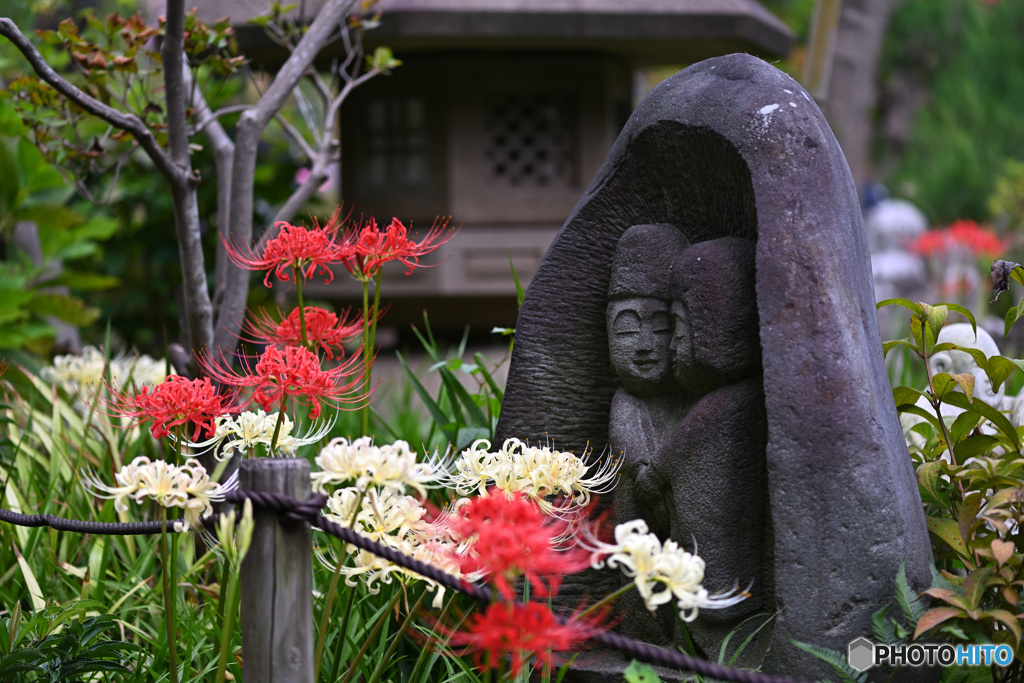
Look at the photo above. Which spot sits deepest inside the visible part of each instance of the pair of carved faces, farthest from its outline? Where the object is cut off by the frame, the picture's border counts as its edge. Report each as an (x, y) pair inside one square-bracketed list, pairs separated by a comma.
[(640, 331), (698, 333)]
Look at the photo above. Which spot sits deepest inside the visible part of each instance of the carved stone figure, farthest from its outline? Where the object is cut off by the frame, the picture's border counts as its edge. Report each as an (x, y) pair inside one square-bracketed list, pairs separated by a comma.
[(822, 496)]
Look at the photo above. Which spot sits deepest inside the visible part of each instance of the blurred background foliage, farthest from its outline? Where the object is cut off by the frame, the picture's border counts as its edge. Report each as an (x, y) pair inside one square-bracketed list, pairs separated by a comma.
[(949, 125), (948, 135)]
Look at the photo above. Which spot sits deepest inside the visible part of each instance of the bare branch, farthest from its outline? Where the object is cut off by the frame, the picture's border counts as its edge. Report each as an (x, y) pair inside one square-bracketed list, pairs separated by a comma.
[(296, 136), (250, 127), (308, 115), (127, 122), (298, 199), (223, 156), (211, 116), (332, 112), (198, 309)]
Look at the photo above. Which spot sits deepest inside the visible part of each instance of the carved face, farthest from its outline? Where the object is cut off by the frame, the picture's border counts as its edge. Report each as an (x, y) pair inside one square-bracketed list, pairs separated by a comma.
[(682, 343), (639, 334)]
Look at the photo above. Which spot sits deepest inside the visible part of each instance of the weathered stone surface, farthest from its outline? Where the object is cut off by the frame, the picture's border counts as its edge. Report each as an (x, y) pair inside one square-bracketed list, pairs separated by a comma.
[(732, 147)]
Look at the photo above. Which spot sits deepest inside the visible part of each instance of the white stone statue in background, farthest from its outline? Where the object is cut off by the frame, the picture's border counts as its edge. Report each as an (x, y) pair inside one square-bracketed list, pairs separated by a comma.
[(957, 362), (892, 225)]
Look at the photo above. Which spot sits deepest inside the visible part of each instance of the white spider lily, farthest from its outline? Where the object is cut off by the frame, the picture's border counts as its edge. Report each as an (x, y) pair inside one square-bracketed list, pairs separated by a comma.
[(364, 464), (187, 487), (250, 428), (396, 521), (661, 572), (537, 471)]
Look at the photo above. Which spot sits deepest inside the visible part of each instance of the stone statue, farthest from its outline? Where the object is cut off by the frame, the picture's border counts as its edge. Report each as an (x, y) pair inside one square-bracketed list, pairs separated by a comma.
[(788, 464), (892, 224), (957, 362)]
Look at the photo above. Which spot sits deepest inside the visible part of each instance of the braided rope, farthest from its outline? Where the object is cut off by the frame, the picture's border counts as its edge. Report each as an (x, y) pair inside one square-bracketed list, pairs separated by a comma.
[(78, 526), (309, 511)]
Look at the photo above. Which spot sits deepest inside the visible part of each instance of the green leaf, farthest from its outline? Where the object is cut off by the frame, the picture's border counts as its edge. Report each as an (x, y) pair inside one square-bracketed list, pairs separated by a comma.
[(10, 183), (882, 626), (637, 672), (928, 479), (70, 309), (934, 617), (973, 446), (944, 384), (963, 425), (1001, 422), (948, 531), (910, 603), (886, 346), (965, 313), (1012, 316), (834, 659), (967, 517), (974, 586), (905, 303), (1001, 367), (936, 317)]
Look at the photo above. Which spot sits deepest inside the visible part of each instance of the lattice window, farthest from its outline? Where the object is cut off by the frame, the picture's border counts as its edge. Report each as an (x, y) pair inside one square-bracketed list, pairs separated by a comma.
[(396, 143), (530, 141)]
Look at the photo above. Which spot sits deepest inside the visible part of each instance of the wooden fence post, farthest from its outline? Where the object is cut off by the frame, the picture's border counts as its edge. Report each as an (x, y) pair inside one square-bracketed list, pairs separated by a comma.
[(276, 579)]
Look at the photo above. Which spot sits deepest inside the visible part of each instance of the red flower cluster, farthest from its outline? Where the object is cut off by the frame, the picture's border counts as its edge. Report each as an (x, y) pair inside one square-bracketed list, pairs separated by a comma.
[(513, 539), (522, 631), (371, 248), (323, 329), (965, 234), (362, 250), (294, 373), (176, 401), (295, 248)]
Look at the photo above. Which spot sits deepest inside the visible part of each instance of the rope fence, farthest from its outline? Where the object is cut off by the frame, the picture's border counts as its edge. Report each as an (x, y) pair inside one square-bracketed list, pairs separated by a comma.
[(309, 511)]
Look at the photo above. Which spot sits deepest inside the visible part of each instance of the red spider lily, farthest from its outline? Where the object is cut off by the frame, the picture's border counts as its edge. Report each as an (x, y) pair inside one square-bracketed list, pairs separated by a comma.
[(174, 402), (295, 248), (964, 234), (522, 631), (323, 329), (371, 248), (294, 372), (512, 538)]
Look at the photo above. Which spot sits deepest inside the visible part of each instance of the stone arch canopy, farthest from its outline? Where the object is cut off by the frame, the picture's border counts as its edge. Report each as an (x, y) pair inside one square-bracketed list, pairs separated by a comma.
[(732, 146)]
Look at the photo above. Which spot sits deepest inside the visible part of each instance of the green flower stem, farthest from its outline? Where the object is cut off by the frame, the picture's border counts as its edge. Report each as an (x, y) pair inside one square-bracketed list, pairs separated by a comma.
[(611, 597), (421, 661), (325, 618), (302, 309), (398, 636), (277, 427), (341, 639), (169, 601), (228, 618), (364, 413), (331, 594), (371, 637)]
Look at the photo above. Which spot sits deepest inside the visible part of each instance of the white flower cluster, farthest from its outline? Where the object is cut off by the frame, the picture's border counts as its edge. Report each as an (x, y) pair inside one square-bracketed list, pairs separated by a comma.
[(398, 521), (377, 506), (248, 429), (662, 572), (364, 464), (82, 374), (186, 486), (538, 472)]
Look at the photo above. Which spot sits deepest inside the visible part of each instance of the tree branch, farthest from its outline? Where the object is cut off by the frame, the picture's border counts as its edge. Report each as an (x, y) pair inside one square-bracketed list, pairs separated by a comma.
[(250, 127), (296, 136), (198, 309), (223, 155), (127, 122)]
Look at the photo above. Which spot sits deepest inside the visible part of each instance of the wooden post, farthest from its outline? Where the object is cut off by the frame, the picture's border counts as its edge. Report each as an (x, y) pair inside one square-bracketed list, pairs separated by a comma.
[(276, 580)]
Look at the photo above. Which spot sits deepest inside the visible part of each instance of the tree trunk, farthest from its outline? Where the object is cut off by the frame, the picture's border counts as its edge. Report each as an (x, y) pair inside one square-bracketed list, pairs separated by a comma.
[(853, 91)]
